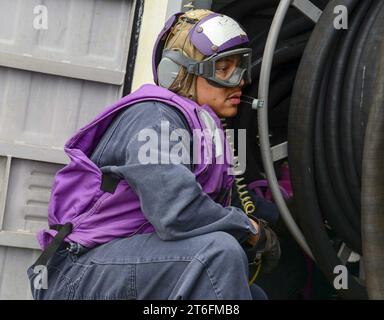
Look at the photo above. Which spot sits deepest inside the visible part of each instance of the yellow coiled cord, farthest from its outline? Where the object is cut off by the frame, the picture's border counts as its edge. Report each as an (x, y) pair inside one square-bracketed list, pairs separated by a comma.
[(245, 199)]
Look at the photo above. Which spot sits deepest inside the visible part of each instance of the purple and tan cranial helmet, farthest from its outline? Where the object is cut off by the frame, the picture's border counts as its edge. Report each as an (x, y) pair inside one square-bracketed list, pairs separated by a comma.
[(191, 43)]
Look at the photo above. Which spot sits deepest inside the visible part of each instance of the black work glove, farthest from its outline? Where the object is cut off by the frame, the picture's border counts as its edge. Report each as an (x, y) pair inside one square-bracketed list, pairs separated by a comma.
[(267, 249)]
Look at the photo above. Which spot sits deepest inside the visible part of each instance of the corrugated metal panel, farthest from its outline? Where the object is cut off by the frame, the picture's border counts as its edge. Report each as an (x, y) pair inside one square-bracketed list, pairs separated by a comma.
[(52, 82), (44, 110), (13, 277), (86, 39)]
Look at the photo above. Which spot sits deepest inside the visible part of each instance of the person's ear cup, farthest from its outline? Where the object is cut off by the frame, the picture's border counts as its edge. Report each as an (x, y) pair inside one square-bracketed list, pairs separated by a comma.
[(167, 72)]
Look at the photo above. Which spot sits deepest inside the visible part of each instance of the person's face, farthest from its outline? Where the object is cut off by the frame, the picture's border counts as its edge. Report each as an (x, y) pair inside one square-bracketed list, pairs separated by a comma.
[(223, 101)]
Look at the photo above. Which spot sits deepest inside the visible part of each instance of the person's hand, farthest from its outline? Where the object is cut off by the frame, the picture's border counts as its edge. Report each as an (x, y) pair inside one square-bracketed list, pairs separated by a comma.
[(265, 247)]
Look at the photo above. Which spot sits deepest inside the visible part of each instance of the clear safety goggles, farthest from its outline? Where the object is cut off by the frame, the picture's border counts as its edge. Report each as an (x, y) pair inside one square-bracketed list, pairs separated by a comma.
[(225, 69)]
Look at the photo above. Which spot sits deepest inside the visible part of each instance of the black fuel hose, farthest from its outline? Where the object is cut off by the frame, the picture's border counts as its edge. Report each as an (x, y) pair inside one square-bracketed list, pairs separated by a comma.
[(328, 201), (365, 78), (346, 126), (373, 190), (333, 117), (301, 140)]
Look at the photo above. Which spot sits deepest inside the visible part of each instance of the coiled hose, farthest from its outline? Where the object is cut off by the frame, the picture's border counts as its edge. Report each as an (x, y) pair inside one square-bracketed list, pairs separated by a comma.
[(373, 191), (301, 137), (335, 73)]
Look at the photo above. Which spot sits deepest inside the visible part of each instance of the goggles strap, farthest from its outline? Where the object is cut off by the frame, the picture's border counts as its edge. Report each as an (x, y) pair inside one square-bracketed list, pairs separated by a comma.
[(192, 66)]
